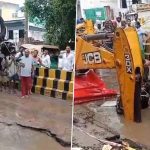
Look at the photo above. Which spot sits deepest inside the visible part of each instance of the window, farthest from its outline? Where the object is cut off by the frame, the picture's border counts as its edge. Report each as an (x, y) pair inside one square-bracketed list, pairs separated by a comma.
[(123, 4), (11, 34), (128, 3), (136, 1), (21, 34), (14, 15)]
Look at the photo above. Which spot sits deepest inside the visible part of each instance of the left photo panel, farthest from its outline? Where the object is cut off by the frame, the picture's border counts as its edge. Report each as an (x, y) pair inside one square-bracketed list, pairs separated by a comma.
[(37, 50)]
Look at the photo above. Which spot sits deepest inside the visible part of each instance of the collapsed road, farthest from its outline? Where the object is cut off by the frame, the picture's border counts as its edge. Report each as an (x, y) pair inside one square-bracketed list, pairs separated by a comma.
[(35, 123), (94, 122)]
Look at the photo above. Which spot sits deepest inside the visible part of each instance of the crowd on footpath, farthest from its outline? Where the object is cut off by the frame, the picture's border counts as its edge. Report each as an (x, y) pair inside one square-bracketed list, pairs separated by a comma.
[(21, 66), (109, 26)]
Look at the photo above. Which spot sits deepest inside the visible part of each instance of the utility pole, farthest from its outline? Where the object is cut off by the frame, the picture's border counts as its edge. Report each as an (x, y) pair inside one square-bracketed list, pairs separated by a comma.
[(26, 25)]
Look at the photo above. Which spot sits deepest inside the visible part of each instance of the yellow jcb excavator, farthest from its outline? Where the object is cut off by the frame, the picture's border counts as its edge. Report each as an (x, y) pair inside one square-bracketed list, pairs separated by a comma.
[(125, 57)]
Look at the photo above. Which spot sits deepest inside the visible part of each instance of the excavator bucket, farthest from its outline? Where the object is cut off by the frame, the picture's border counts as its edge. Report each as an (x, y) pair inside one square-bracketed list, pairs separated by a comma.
[(128, 60), (89, 87)]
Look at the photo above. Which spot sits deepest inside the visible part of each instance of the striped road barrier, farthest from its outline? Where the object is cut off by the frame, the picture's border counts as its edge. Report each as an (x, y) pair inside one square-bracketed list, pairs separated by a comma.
[(53, 83)]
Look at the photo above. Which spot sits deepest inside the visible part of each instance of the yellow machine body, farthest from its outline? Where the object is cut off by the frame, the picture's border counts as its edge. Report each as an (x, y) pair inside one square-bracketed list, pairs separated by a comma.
[(87, 27), (126, 58)]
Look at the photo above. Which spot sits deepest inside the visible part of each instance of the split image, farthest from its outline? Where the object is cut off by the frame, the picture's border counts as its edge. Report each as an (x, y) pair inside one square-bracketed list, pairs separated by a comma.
[(111, 92), (74, 75), (36, 74)]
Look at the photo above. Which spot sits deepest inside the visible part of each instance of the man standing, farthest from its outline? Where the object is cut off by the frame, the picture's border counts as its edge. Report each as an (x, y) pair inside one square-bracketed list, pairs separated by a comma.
[(133, 23), (68, 60), (12, 73), (129, 23), (118, 19), (141, 34), (108, 28), (26, 64), (46, 62)]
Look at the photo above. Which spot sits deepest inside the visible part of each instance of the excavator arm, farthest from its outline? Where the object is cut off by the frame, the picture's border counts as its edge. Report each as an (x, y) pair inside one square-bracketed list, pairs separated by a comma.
[(126, 58)]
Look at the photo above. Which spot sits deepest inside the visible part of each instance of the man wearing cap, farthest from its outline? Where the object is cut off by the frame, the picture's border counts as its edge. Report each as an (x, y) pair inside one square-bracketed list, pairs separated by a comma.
[(26, 64)]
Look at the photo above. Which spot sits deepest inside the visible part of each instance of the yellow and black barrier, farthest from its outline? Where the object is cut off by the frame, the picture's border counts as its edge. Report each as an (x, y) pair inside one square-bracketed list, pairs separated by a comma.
[(54, 83)]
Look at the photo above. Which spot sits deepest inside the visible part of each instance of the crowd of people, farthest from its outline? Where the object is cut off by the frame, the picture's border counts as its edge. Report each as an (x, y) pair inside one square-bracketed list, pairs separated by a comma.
[(21, 66), (109, 26)]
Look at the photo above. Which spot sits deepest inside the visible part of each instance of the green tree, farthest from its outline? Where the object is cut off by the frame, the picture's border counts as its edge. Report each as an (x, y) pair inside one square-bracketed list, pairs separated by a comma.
[(58, 17)]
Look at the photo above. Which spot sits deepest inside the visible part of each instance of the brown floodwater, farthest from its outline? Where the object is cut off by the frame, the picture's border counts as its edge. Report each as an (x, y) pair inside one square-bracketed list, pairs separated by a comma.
[(103, 122)]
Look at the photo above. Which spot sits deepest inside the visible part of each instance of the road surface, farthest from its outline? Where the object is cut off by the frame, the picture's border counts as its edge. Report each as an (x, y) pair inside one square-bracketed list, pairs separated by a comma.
[(35, 123)]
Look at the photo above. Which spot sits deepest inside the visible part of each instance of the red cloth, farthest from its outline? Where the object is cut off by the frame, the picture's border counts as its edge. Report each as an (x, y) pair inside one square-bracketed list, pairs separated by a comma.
[(31, 83), (25, 85)]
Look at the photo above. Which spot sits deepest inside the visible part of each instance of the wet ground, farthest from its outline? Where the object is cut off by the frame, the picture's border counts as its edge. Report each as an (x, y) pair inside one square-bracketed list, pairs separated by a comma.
[(35, 123), (92, 122)]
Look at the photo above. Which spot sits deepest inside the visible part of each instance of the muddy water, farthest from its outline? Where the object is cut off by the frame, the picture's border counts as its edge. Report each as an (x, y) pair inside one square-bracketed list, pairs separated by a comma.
[(104, 122), (138, 132)]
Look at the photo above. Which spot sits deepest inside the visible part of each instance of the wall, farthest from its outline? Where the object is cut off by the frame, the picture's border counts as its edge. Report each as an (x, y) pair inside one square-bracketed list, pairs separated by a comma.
[(78, 9), (145, 1), (99, 3), (7, 10), (37, 35), (34, 32)]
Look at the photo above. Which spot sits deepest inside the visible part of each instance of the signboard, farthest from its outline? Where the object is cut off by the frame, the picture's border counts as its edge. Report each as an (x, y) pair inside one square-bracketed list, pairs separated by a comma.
[(96, 13)]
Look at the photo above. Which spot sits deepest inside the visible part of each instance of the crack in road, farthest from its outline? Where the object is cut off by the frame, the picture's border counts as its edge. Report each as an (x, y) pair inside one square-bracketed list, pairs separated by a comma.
[(41, 130)]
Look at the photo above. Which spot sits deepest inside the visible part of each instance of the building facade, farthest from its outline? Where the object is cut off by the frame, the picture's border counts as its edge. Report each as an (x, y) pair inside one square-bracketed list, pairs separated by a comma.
[(15, 23), (118, 6), (8, 10)]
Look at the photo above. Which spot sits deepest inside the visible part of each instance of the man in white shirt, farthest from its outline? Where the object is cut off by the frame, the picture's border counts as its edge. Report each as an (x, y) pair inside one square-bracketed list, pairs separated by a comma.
[(133, 23), (68, 60), (46, 62), (26, 64)]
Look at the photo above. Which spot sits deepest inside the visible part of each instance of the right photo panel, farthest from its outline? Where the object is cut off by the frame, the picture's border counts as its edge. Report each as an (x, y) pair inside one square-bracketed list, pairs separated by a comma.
[(112, 79)]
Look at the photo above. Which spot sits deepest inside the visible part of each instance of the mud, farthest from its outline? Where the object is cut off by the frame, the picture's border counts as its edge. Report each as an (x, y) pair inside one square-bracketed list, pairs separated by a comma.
[(46, 120), (103, 122)]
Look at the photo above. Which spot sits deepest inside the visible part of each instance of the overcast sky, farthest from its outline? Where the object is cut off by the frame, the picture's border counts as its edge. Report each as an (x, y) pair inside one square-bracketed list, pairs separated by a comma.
[(20, 2)]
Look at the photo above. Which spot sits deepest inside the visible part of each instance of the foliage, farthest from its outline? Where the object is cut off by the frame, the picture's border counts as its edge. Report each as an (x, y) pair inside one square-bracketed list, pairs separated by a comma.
[(58, 17)]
